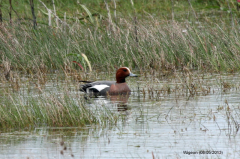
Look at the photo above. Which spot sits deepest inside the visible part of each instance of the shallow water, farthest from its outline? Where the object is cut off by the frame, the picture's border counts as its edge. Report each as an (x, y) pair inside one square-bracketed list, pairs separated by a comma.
[(150, 127)]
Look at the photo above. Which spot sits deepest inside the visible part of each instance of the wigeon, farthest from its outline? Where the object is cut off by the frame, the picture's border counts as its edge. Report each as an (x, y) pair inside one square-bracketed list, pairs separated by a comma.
[(118, 87)]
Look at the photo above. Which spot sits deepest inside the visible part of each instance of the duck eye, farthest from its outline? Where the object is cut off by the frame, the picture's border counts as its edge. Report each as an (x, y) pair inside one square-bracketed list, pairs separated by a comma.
[(125, 70)]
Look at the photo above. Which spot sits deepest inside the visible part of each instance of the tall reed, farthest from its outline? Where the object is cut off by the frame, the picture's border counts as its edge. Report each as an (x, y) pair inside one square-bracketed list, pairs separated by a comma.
[(198, 41)]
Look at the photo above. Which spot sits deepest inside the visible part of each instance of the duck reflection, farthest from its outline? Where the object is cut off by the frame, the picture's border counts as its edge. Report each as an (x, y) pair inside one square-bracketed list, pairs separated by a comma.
[(121, 101)]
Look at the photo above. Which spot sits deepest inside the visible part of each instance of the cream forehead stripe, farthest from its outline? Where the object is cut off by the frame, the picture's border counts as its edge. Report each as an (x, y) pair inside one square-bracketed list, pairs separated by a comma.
[(127, 68)]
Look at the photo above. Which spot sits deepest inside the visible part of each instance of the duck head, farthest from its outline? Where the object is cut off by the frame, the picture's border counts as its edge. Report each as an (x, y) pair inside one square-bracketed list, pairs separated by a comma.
[(123, 73)]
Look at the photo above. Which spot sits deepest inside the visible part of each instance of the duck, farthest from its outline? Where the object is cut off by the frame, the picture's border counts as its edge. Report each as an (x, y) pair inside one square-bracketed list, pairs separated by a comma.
[(103, 88)]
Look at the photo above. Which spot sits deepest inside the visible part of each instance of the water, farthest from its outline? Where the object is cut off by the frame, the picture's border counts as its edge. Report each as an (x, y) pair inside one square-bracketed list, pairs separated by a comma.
[(150, 127)]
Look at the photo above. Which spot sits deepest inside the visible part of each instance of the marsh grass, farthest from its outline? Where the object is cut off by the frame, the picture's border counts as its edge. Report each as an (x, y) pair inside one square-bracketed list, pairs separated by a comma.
[(22, 110), (187, 83), (232, 118), (195, 39), (161, 45)]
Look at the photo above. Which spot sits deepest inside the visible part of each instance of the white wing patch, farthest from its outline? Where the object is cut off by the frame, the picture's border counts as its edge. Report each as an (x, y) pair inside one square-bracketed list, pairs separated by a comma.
[(99, 87)]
